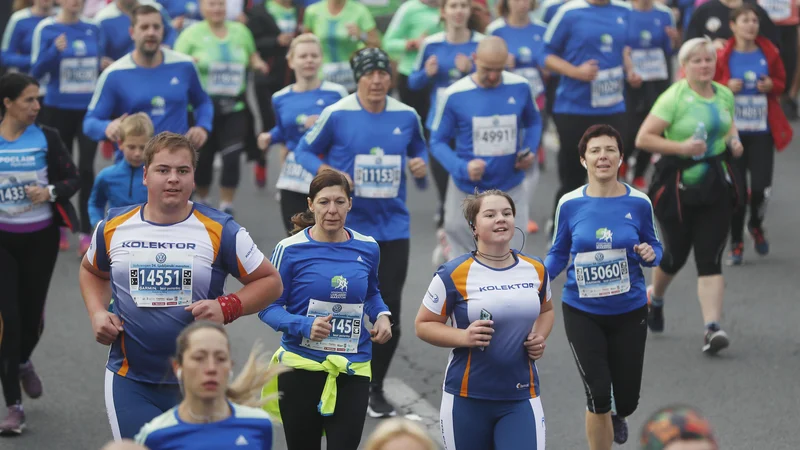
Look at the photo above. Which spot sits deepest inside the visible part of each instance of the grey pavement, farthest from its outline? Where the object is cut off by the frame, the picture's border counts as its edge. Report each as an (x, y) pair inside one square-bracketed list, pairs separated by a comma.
[(750, 392)]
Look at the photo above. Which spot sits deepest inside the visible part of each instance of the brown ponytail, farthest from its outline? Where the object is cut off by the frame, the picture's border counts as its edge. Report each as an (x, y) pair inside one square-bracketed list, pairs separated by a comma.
[(326, 178), (302, 220)]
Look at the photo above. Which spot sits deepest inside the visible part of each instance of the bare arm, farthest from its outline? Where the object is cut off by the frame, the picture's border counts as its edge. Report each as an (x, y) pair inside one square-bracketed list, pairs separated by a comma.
[(544, 323), (560, 65), (433, 329), (95, 287), (650, 137), (261, 287)]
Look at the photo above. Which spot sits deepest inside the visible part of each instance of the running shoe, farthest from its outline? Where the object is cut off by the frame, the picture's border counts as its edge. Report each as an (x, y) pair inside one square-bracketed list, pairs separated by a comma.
[(639, 183), (14, 422), (533, 227), (85, 242), (760, 242), (655, 314), (261, 175), (620, 429), (30, 381), (63, 243), (378, 405), (714, 341), (736, 256)]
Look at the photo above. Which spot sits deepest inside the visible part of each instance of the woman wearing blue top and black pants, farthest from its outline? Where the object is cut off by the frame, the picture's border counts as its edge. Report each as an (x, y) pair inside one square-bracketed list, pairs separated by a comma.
[(37, 178), (607, 228), (330, 276)]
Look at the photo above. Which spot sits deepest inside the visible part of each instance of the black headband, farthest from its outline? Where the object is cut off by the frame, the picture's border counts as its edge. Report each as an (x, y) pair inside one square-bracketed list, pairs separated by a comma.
[(369, 59)]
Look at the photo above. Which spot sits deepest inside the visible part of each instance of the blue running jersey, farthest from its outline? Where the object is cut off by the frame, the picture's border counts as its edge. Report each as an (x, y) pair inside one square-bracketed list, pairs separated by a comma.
[(651, 47), (526, 44), (116, 25), (18, 40), (751, 105), (23, 162)]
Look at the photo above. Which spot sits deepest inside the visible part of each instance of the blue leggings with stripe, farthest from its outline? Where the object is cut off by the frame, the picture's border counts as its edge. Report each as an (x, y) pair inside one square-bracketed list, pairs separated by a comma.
[(131, 404), (474, 424)]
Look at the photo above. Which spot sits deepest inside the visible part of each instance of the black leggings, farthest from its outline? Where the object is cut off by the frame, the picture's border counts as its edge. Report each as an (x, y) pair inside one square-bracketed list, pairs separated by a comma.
[(609, 352), (440, 176), (570, 128), (702, 228), (69, 123), (758, 159), (27, 261), (788, 39), (264, 100), (635, 121), (292, 203), (392, 273), (228, 138), (302, 422)]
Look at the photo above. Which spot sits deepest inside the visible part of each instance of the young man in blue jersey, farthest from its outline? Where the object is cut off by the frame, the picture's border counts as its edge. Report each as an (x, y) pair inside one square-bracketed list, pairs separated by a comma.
[(117, 18), (493, 118), (166, 83)]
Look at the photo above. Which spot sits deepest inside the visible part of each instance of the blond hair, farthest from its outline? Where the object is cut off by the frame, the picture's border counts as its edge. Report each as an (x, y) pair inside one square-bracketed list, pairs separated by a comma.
[(138, 124), (305, 38), (168, 141), (393, 428), (691, 47)]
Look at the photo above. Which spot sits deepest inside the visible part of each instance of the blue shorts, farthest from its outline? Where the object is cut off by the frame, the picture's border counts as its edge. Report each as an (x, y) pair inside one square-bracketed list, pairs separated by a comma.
[(474, 424), (131, 404)]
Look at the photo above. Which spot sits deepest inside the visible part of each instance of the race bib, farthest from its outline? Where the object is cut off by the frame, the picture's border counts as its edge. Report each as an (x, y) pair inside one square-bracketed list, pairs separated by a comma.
[(607, 88), (77, 75), (751, 112), (161, 279), (777, 9), (495, 135), (650, 64), (13, 199), (287, 25), (340, 73), (225, 78), (378, 176), (602, 273), (534, 79), (345, 326), (293, 177)]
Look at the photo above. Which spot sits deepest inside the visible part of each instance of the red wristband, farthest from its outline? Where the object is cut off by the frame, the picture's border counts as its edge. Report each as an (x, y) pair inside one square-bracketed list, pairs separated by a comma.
[(231, 307)]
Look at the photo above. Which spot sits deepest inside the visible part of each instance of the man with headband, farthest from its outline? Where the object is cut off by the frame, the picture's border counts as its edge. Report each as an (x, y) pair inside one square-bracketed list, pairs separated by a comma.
[(371, 138), (493, 118)]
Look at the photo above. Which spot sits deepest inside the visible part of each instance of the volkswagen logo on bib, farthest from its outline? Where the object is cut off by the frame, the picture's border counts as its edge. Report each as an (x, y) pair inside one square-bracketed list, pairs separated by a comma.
[(337, 308), (598, 257), (160, 258)]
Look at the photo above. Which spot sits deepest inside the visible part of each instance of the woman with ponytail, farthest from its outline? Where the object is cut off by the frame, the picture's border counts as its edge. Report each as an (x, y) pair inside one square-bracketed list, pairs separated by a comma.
[(215, 412)]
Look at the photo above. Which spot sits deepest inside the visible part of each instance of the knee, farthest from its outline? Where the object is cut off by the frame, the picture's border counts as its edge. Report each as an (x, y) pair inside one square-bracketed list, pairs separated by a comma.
[(709, 268), (671, 262), (626, 405), (598, 401)]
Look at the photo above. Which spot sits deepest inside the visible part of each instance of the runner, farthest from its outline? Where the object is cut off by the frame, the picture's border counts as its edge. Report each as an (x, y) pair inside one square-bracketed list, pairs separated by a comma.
[(525, 42), (443, 59), (67, 50), (117, 19), (216, 411), (651, 35), (712, 19), (399, 434), (331, 277), (693, 191), (273, 28), (608, 230), (223, 51), (18, 35), (297, 108), (491, 397), (172, 85), (184, 13), (344, 26), (585, 43), (164, 263), (121, 184), (37, 178), (786, 16), (751, 67), (372, 137), (493, 118)]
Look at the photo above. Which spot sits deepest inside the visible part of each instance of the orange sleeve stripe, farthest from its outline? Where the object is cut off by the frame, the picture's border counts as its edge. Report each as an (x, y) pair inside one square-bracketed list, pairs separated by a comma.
[(532, 386), (242, 272), (214, 230), (123, 370), (443, 312), (539, 270), (112, 224), (465, 378), (459, 277)]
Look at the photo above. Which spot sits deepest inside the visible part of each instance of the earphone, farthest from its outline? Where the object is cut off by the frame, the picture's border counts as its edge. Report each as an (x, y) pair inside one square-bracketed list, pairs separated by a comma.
[(178, 373)]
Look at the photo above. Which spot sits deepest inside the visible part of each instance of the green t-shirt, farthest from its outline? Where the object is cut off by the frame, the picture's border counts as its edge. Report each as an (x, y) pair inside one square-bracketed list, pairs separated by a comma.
[(221, 62), (337, 44), (380, 8), (412, 20), (684, 109), (286, 18)]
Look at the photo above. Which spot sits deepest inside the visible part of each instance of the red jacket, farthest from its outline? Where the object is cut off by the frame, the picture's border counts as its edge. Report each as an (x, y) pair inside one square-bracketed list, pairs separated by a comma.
[(778, 125)]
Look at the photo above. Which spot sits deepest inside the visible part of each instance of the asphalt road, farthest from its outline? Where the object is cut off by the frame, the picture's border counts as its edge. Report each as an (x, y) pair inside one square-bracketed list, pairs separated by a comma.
[(749, 392)]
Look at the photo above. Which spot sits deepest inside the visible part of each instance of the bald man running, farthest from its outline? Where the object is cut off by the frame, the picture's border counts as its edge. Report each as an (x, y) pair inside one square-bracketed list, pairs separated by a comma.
[(492, 116)]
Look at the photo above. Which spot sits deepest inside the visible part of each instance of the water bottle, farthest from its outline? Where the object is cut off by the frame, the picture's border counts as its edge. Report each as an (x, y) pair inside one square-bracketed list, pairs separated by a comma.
[(701, 134), (422, 183)]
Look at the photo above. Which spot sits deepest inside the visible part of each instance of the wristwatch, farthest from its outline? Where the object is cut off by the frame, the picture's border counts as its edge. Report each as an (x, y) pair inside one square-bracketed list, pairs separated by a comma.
[(52, 190), (388, 316)]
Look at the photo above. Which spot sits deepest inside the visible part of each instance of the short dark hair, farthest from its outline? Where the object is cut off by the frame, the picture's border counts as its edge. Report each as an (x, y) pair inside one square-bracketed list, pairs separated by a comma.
[(168, 141), (740, 11), (12, 85), (597, 131), (326, 178), (143, 10)]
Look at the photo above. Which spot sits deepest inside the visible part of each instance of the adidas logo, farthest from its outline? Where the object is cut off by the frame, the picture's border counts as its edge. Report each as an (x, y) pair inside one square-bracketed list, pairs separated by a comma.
[(511, 101), (359, 259), (174, 81), (241, 441), (397, 131), (628, 216), (320, 102)]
